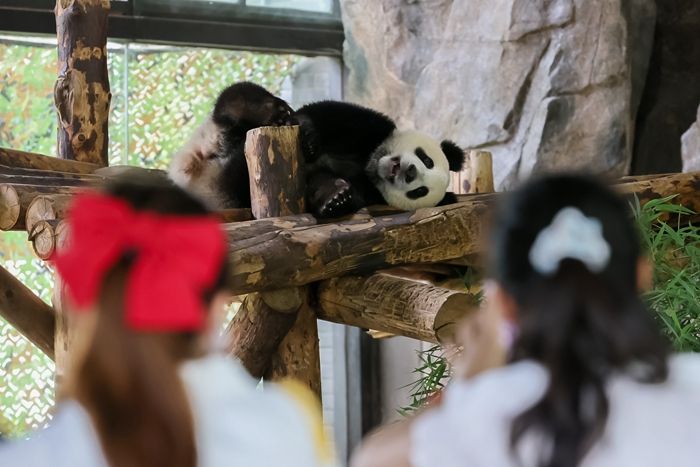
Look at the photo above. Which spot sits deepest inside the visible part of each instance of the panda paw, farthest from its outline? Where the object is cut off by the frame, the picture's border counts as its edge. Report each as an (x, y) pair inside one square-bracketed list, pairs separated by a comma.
[(338, 201)]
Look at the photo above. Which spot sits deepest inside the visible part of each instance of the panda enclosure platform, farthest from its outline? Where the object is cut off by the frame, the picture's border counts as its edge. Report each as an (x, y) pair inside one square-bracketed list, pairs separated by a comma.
[(376, 269)]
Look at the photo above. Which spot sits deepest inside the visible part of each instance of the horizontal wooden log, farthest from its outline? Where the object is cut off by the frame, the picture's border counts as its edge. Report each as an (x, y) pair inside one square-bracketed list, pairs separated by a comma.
[(28, 160), (394, 305), (43, 238), (15, 200), (46, 208), (48, 181), (300, 255), (33, 318)]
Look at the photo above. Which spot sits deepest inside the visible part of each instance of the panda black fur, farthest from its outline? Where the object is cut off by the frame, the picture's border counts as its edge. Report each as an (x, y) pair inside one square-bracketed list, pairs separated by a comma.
[(212, 162), (356, 157)]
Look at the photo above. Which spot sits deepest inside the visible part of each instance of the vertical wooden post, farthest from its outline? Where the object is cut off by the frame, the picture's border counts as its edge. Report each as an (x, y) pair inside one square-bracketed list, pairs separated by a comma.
[(81, 93), (259, 328), (477, 176), (82, 97)]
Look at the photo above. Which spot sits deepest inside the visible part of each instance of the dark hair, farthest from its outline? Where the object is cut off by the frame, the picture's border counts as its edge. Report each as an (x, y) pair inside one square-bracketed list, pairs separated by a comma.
[(128, 380), (581, 326)]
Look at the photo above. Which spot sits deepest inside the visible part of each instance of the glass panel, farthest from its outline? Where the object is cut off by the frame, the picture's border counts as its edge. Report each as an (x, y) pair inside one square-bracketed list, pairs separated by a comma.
[(320, 6), (27, 374), (172, 90)]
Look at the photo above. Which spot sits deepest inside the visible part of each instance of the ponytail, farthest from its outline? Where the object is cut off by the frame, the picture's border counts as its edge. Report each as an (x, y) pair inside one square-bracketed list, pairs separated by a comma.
[(573, 325), (129, 384), (573, 276)]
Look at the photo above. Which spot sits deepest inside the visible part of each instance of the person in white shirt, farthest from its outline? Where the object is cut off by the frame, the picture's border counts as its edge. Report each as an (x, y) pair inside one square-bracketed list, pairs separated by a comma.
[(145, 271), (564, 366)]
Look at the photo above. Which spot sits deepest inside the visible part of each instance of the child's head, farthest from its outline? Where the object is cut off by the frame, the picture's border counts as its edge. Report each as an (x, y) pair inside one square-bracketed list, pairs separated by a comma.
[(566, 265), (147, 263)]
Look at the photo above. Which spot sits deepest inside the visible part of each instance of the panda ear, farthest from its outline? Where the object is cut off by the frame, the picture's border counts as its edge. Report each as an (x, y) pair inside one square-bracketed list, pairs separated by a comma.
[(455, 155)]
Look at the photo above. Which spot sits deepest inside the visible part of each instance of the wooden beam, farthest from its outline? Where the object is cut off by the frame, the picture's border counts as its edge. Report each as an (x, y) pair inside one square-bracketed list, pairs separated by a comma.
[(46, 208), (22, 176), (295, 256), (15, 200), (478, 172), (394, 305), (262, 325), (33, 318), (28, 160), (44, 237), (82, 93)]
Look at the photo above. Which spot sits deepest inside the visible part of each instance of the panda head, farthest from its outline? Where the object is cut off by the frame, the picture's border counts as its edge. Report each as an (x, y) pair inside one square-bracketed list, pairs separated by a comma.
[(412, 169)]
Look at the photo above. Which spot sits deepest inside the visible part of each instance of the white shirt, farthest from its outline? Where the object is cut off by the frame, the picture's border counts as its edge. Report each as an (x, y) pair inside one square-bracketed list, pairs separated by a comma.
[(649, 425), (236, 424)]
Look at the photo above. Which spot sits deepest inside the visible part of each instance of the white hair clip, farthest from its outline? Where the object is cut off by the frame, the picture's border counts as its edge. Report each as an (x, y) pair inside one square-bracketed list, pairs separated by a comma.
[(570, 235)]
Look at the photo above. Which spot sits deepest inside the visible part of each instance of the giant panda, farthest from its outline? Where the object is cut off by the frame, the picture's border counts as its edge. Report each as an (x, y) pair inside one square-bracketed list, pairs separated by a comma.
[(212, 164), (353, 156), (356, 157)]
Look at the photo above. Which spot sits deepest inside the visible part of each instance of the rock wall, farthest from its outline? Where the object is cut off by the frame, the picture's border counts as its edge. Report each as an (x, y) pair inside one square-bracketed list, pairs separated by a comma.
[(672, 92), (690, 144), (542, 84)]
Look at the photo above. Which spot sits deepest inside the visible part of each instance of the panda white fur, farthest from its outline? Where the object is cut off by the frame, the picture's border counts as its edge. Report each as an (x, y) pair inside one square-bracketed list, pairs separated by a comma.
[(356, 157), (411, 170), (197, 166)]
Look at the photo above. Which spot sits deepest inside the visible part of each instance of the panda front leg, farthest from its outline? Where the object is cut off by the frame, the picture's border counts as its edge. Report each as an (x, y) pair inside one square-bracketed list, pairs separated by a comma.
[(332, 196)]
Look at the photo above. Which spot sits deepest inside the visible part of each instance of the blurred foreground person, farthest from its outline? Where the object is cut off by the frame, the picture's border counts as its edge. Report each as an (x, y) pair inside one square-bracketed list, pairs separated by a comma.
[(564, 366), (145, 271)]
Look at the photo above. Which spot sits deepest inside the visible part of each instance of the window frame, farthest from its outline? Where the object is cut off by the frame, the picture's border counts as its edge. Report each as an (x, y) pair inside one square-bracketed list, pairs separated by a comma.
[(234, 26)]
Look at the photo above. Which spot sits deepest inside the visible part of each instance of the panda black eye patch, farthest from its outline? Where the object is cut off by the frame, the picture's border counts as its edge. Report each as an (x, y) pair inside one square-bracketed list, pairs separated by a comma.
[(424, 158), (419, 192)]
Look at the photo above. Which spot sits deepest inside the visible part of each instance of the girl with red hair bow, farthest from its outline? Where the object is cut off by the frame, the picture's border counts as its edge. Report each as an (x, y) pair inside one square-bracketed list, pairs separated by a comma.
[(144, 270)]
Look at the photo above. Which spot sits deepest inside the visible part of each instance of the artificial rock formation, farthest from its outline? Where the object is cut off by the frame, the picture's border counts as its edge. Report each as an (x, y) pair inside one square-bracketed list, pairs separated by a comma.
[(690, 147), (672, 91), (542, 84)]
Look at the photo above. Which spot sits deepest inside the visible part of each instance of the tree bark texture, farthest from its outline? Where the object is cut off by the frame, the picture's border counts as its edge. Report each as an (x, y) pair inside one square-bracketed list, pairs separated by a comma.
[(300, 255), (21, 176), (81, 94), (46, 208), (15, 200), (28, 160), (33, 318), (394, 305), (261, 324)]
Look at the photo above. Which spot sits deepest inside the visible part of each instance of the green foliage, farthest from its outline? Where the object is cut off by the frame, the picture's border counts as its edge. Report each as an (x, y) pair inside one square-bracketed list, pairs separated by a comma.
[(674, 249), (432, 375)]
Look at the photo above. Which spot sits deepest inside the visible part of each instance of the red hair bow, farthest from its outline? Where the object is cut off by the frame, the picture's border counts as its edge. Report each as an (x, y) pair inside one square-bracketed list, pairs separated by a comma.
[(177, 259)]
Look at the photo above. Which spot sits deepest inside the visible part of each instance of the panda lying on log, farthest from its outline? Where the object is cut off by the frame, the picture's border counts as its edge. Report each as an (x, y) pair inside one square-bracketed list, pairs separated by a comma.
[(353, 156)]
